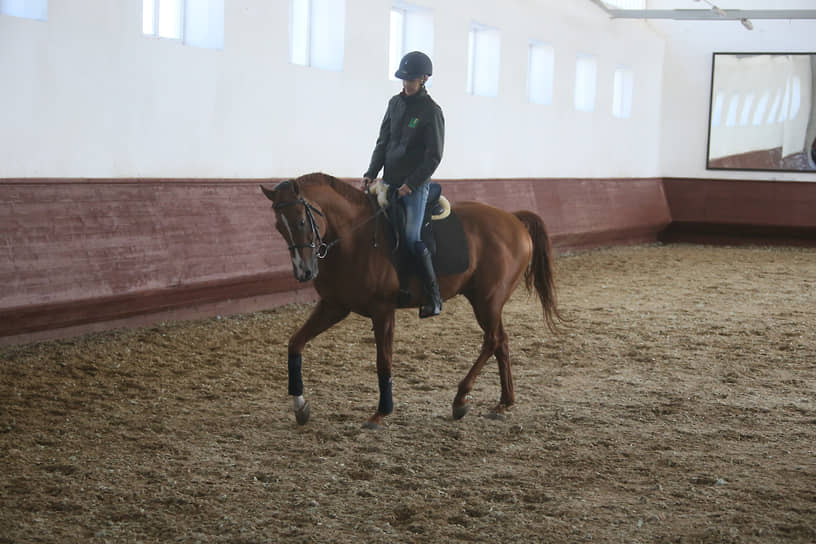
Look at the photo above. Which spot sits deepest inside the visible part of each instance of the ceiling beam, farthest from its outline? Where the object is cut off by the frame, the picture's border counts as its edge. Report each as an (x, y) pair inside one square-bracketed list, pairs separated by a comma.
[(707, 14), (711, 15)]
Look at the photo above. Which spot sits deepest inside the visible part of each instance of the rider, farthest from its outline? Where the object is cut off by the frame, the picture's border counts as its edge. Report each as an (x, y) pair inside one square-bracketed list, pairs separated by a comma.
[(412, 135)]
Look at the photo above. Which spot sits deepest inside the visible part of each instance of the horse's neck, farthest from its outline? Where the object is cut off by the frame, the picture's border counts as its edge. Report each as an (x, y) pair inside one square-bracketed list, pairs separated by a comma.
[(340, 211)]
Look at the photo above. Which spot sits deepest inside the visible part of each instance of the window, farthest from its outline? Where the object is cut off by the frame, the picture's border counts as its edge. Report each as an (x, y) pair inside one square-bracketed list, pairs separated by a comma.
[(29, 9), (717, 109), (622, 93), (762, 107), (484, 54), (586, 75), (316, 33), (746, 109), (540, 70), (411, 30), (204, 23), (796, 97), (783, 112), (774, 107), (197, 23), (731, 116)]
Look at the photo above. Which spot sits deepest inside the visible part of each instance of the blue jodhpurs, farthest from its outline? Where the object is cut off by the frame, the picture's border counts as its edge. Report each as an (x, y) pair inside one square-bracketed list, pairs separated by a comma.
[(414, 205)]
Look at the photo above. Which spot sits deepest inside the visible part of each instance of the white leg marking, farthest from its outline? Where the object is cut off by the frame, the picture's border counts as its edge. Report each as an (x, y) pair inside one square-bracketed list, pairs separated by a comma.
[(298, 402)]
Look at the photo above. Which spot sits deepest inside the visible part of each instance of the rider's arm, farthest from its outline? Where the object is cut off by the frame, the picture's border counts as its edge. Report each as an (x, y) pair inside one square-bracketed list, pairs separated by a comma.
[(378, 155)]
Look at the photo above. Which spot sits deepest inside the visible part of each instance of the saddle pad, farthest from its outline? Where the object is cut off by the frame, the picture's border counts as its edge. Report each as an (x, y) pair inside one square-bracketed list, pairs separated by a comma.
[(452, 255)]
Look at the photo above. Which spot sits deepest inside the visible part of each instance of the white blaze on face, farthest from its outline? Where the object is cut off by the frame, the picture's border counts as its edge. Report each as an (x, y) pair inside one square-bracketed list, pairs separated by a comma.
[(297, 260)]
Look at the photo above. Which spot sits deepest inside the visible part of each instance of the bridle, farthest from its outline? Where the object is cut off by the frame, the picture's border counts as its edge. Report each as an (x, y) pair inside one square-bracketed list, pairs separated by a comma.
[(321, 247)]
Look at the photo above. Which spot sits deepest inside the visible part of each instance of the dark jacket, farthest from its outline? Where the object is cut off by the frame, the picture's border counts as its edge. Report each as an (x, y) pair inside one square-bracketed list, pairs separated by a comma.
[(411, 139)]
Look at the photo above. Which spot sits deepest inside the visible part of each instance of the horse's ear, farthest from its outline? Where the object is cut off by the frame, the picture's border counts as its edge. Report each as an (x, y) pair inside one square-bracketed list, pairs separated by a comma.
[(269, 193), (295, 188)]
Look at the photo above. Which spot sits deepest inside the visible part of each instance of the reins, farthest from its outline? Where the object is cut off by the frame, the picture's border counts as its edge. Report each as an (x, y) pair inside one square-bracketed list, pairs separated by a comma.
[(321, 247)]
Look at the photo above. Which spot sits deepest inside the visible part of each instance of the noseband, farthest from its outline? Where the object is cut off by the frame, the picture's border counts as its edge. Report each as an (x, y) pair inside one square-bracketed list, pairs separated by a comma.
[(321, 246)]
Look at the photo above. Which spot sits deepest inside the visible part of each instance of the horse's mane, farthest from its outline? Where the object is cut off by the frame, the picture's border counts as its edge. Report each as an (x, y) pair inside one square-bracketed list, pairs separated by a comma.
[(345, 190)]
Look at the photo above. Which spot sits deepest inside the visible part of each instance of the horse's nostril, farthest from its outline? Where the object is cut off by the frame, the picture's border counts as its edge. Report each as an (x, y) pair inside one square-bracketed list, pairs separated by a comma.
[(308, 275)]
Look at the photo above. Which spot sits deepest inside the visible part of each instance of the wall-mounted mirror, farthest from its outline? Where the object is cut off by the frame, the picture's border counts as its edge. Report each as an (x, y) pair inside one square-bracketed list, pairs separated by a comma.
[(763, 112)]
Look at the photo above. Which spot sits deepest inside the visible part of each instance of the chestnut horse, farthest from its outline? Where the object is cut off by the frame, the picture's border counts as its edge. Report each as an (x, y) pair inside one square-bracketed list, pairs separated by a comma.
[(329, 227)]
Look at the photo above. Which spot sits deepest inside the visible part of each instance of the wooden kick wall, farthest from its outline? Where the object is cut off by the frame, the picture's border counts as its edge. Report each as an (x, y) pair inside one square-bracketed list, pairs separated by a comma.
[(82, 255)]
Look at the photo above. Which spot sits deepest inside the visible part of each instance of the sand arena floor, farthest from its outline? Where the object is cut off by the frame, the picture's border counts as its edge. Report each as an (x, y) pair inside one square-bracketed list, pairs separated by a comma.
[(678, 405)]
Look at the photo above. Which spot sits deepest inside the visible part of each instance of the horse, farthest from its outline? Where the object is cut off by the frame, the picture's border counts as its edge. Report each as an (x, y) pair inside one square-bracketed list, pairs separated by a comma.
[(329, 227)]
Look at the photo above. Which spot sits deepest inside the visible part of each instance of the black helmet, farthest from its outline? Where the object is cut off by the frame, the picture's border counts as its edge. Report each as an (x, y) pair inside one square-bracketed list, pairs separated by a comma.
[(414, 65)]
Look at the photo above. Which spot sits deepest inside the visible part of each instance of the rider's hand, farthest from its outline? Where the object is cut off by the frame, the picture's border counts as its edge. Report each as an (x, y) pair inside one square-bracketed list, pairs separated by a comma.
[(366, 181), (405, 189)]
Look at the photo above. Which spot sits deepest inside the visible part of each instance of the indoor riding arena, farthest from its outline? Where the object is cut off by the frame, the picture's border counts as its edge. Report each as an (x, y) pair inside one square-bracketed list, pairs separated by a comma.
[(150, 311)]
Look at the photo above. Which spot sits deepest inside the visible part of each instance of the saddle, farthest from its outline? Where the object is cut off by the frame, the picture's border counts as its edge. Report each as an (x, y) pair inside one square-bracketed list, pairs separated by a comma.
[(441, 231)]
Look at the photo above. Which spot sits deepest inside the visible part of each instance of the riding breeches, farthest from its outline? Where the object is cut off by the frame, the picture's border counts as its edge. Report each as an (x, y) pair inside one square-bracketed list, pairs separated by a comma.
[(414, 205)]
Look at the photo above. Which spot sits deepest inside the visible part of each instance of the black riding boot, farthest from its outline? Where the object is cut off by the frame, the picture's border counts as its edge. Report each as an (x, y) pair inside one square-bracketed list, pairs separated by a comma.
[(433, 301)]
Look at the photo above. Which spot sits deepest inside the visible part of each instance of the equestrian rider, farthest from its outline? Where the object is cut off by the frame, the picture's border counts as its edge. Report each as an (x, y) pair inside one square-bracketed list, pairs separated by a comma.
[(412, 135)]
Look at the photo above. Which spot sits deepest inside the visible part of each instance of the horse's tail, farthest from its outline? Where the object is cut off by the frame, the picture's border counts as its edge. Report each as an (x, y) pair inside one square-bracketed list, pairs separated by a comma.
[(539, 273)]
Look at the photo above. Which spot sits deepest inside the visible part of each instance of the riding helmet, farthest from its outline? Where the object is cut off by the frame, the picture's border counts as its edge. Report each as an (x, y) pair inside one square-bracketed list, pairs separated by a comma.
[(414, 65)]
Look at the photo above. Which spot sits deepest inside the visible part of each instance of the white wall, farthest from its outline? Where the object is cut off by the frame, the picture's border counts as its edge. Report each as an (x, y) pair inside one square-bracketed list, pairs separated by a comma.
[(687, 81), (85, 94)]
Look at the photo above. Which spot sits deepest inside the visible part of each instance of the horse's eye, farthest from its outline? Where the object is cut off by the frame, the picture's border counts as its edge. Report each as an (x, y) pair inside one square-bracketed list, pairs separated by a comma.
[(302, 223)]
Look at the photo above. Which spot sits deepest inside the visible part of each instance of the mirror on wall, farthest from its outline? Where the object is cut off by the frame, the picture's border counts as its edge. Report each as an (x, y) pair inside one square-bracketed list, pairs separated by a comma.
[(763, 112)]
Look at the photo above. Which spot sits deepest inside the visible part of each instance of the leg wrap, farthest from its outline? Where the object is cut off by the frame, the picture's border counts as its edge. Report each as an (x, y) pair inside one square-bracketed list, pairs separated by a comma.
[(295, 377), (386, 400)]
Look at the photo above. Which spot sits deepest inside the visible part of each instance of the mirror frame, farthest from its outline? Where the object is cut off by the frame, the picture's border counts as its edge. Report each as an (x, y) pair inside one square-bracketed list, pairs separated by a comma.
[(763, 159)]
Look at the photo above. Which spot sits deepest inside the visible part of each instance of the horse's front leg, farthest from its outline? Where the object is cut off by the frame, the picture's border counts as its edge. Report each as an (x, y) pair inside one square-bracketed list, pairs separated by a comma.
[(322, 317), (384, 336)]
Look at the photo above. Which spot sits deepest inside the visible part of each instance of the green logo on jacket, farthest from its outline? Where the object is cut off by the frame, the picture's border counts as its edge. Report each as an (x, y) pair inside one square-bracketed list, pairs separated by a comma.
[(413, 122)]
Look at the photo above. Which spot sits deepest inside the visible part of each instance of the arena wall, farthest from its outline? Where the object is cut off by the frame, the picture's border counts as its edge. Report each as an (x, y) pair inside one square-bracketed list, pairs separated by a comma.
[(79, 252), (84, 255)]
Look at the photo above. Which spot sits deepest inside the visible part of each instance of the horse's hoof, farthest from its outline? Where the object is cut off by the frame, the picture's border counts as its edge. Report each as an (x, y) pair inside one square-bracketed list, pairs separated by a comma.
[(302, 414), (374, 422), (500, 412), (460, 411), (372, 426)]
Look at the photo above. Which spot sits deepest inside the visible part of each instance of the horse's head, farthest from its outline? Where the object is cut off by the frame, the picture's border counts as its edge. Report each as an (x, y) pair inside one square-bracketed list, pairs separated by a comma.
[(300, 222)]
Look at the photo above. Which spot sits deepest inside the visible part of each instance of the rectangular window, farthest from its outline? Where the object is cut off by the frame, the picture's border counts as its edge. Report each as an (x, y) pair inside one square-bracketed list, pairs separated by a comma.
[(204, 23), (412, 29), (586, 75), (28, 9), (731, 115), (622, 93), (163, 18), (746, 109), (759, 112), (198, 23), (783, 113), (317, 33), (540, 70), (717, 109), (484, 55)]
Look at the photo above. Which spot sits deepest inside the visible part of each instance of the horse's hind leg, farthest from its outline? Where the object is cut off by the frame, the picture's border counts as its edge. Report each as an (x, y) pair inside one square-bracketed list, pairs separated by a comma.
[(508, 395), (493, 343)]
